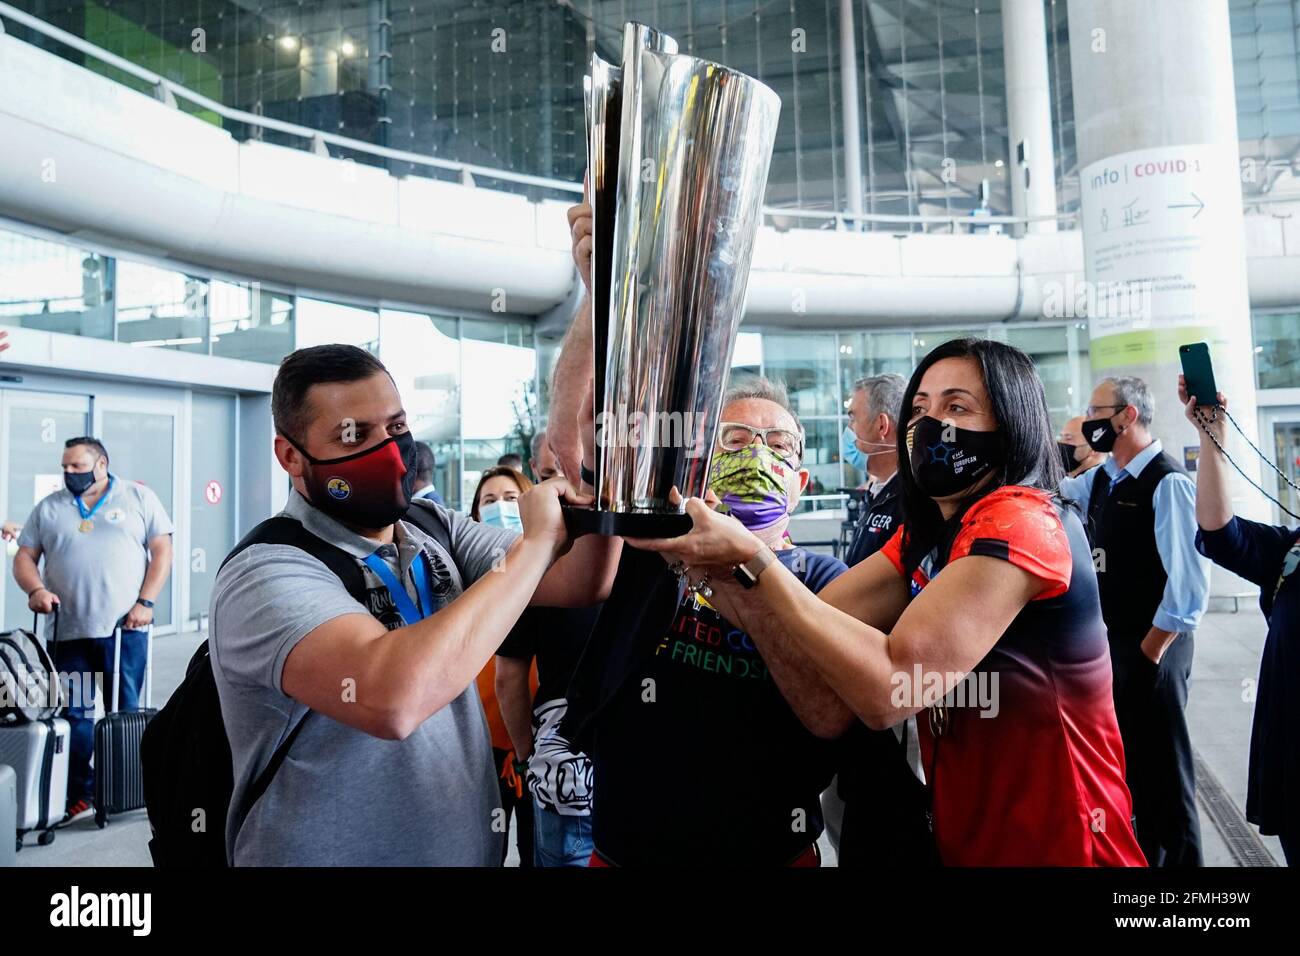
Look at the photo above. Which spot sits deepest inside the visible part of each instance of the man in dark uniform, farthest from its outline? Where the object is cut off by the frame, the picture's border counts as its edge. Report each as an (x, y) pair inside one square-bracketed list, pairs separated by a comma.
[(1154, 585), (873, 417), (875, 810)]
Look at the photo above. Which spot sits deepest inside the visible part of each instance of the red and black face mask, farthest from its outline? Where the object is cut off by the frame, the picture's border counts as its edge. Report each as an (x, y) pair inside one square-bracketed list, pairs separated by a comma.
[(371, 489)]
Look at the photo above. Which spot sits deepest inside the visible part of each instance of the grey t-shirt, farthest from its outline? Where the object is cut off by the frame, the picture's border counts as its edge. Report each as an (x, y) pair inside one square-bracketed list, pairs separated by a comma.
[(97, 573), (343, 797)]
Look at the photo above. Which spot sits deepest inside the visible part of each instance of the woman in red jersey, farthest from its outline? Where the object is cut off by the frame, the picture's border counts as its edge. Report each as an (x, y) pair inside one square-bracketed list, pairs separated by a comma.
[(980, 616)]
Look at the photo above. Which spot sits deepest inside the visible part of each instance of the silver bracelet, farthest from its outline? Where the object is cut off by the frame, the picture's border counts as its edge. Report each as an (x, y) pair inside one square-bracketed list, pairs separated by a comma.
[(700, 588)]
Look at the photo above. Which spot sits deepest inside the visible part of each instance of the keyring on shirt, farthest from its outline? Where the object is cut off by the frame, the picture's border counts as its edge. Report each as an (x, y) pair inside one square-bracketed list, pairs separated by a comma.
[(701, 588)]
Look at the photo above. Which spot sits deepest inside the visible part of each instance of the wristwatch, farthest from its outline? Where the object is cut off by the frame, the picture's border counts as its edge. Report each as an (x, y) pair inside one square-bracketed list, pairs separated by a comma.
[(144, 603), (747, 572)]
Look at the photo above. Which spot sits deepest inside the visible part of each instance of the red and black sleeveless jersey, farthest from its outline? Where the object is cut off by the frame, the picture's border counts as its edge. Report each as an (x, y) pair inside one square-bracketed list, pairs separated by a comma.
[(1034, 775)]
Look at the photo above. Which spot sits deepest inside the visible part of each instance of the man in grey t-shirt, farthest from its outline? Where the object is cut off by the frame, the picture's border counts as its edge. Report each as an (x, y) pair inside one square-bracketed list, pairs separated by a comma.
[(107, 551), (393, 765)]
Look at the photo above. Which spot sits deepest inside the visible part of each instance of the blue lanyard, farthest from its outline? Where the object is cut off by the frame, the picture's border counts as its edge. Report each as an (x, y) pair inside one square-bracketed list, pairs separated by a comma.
[(405, 606), (81, 509)]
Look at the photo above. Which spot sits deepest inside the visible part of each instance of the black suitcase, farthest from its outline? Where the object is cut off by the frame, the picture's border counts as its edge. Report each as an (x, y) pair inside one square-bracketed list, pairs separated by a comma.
[(119, 782)]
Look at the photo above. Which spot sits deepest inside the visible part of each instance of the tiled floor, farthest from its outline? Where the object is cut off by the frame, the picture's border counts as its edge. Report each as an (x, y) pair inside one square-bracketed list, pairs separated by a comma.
[(1227, 657)]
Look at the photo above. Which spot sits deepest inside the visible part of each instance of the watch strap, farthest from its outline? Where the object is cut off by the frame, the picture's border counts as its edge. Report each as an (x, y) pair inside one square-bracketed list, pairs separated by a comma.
[(747, 572)]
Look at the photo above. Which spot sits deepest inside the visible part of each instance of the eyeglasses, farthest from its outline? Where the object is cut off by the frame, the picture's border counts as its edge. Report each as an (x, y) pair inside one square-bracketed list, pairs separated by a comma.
[(734, 436), (1092, 410)]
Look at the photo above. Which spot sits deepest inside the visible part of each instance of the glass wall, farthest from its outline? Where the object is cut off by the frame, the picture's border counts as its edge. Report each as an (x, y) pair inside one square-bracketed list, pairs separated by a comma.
[(33, 430), (321, 322), (470, 384), (1277, 349), (142, 446), (498, 83), (248, 322), (1049, 346), (422, 353), (819, 369), (500, 407), (157, 307), (57, 287), (1266, 69)]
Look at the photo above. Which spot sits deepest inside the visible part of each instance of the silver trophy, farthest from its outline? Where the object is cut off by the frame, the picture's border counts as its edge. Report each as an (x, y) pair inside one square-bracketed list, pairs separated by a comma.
[(678, 152)]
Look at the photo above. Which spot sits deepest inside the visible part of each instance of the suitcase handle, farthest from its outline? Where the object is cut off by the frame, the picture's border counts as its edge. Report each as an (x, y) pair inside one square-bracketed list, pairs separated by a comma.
[(117, 663), (54, 628)]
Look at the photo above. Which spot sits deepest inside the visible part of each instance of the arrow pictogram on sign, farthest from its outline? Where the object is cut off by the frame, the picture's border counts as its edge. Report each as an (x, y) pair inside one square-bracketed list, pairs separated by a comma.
[(1198, 205)]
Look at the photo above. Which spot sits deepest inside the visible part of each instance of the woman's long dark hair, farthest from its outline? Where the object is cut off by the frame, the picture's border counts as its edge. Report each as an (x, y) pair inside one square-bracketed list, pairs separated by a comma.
[(1019, 406)]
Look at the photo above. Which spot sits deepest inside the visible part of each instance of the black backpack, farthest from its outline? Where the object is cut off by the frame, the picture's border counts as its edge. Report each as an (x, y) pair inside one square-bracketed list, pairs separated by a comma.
[(185, 754)]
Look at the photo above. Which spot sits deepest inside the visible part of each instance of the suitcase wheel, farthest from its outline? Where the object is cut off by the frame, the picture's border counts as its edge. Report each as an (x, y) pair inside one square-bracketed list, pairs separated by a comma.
[(46, 837), (18, 844), (101, 822)]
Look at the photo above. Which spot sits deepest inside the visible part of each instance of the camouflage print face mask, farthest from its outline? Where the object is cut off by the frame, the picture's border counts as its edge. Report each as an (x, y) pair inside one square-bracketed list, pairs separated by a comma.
[(752, 483)]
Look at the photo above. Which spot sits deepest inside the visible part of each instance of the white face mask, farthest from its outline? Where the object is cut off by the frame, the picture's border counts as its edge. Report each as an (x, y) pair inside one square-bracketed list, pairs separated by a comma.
[(502, 514)]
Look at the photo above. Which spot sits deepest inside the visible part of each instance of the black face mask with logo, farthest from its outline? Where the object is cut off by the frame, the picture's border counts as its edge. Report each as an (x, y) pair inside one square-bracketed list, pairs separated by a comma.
[(947, 460), (1100, 434)]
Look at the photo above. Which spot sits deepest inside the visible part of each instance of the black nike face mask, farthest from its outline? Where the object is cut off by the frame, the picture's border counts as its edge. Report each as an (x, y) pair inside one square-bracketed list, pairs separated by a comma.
[(1100, 434)]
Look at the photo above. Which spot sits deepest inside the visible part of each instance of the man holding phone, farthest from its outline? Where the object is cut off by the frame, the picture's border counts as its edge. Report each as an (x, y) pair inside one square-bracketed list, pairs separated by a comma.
[(1154, 585)]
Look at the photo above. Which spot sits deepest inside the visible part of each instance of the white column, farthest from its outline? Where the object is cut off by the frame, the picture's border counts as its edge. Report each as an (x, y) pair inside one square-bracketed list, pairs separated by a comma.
[(1160, 185), (849, 109), (1029, 111)]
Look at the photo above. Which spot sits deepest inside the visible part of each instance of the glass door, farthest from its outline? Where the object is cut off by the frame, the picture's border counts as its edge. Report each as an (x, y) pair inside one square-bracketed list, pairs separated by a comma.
[(214, 502), (1286, 444), (33, 429), (141, 438)]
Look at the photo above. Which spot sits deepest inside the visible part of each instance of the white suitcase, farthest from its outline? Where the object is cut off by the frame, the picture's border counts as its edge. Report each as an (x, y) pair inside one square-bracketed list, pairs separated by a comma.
[(38, 753), (8, 816)]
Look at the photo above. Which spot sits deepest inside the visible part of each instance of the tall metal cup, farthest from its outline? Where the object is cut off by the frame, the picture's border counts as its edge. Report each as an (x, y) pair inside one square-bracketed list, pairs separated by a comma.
[(678, 156)]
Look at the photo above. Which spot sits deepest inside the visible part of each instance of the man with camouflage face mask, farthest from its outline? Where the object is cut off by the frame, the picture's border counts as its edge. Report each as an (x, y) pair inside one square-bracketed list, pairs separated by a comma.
[(704, 752)]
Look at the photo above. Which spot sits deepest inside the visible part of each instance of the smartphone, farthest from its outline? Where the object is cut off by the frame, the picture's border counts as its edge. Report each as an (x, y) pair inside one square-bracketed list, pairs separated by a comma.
[(1198, 373)]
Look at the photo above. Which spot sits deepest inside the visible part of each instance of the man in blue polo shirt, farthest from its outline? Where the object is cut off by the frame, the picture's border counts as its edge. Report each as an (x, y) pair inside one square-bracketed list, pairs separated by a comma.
[(107, 548)]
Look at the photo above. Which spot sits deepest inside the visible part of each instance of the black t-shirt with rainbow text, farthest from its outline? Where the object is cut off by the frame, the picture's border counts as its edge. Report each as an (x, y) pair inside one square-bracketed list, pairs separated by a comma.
[(699, 758)]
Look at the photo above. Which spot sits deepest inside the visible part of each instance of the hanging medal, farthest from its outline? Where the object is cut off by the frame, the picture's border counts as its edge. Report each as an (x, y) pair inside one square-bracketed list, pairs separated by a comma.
[(87, 525)]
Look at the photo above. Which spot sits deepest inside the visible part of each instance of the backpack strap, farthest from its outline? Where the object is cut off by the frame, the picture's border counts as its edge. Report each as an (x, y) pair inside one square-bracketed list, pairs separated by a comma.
[(427, 516), (268, 773), (289, 531)]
